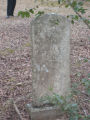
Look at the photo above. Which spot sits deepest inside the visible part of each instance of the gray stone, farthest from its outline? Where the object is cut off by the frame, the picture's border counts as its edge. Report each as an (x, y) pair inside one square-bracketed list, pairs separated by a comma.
[(44, 113), (50, 37)]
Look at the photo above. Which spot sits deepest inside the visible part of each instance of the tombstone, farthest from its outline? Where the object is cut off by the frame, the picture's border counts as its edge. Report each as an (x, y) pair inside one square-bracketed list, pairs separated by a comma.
[(50, 37)]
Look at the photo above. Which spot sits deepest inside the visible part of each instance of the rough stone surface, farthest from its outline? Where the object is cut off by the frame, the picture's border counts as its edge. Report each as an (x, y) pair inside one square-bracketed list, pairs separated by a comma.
[(50, 36), (44, 113)]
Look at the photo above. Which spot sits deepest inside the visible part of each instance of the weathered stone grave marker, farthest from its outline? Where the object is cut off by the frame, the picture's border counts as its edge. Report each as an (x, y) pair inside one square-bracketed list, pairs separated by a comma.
[(50, 35)]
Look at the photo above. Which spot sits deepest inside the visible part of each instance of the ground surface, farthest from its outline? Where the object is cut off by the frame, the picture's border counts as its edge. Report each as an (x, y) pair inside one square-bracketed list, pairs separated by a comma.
[(15, 70)]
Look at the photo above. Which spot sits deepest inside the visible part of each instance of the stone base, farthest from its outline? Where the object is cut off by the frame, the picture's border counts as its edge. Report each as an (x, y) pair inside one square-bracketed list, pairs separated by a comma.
[(43, 113)]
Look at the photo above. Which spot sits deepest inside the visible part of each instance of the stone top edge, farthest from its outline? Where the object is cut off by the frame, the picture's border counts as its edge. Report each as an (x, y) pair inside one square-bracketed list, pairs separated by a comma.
[(50, 14)]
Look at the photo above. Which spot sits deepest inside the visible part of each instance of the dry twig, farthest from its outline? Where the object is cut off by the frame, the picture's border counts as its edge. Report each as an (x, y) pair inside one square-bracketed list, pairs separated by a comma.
[(17, 110)]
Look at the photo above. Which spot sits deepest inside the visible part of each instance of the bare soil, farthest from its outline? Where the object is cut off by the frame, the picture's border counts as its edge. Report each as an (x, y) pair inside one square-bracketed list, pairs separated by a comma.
[(15, 69)]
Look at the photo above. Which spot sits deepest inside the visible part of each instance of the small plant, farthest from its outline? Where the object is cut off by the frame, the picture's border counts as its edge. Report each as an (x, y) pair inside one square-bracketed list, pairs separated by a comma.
[(86, 83), (26, 13), (39, 13), (70, 105)]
